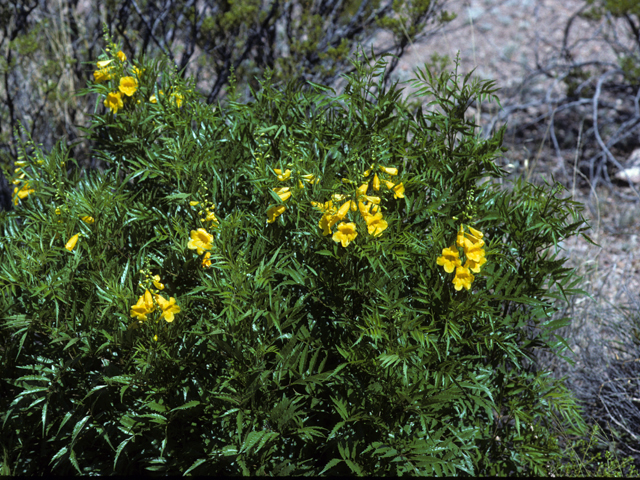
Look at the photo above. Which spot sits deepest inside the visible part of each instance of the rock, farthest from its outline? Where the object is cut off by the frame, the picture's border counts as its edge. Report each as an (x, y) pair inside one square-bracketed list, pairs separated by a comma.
[(631, 175)]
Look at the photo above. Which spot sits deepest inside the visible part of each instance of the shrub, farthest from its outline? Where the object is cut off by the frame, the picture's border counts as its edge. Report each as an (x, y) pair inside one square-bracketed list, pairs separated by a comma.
[(308, 283)]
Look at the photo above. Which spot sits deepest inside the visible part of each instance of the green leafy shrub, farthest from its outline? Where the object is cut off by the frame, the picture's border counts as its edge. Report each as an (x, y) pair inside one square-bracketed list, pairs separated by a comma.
[(307, 283)]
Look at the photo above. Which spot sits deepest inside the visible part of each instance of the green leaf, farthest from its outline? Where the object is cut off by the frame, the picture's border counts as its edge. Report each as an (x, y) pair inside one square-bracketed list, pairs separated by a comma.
[(119, 451), (78, 428), (194, 465), (191, 404)]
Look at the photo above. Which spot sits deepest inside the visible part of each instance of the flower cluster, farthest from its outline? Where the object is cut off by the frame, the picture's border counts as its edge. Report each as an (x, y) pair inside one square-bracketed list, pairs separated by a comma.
[(22, 189), (127, 85), (285, 192), (358, 201), (385, 173), (201, 239), (472, 244), (151, 301)]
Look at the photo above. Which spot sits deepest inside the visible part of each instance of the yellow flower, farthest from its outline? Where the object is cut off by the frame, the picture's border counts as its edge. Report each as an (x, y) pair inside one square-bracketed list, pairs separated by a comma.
[(121, 56), (364, 209), (114, 101), (310, 178), (22, 193), (398, 190), (58, 211), (103, 63), (72, 242), (449, 259), (469, 241), (345, 233), (342, 211), (475, 266), (177, 97), (155, 338), (376, 182), (362, 189), (283, 192), (376, 224), (87, 219), (463, 278), (274, 212), (206, 262), (103, 75), (282, 176), (389, 170), (368, 172), (156, 282), (475, 254), (211, 217), (169, 307), (144, 306), (137, 72), (325, 207), (337, 197), (193, 203), (200, 240), (128, 86), (17, 180), (476, 233), (153, 99)]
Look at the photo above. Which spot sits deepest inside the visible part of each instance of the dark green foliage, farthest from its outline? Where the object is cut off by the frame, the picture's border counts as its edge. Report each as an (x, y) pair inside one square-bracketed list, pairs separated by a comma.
[(291, 354)]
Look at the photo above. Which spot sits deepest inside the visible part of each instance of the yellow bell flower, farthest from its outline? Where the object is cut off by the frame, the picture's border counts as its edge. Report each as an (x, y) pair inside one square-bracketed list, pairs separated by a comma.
[(474, 266), (200, 240), (17, 180), (310, 178), (345, 233), (463, 278), (128, 86), (389, 170), (476, 233), (121, 56), (449, 259), (169, 308), (469, 241), (368, 171), (156, 282), (206, 260), (398, 190), (282, 176), (72, 242), (283, 192), (274, 212), (153, 99), (114, 101), (364, 209), (376, 182), (103, 63), (22, 193), (87, 219), (144, 306), (177, 98), (102, 75), (376, 224), (342, 211)]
